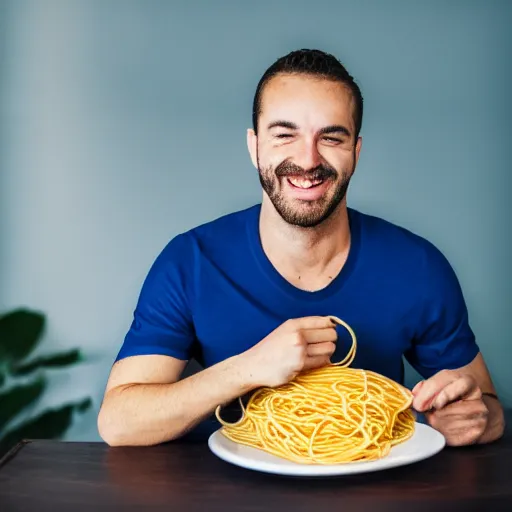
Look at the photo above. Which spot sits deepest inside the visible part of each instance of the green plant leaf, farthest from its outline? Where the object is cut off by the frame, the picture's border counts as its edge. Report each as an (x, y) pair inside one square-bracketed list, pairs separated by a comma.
[(15, 399), (20, 331), (49, 425), (51, 361)]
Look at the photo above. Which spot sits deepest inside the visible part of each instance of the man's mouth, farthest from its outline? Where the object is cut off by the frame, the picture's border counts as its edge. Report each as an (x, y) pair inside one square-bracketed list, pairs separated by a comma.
[(304, 183)]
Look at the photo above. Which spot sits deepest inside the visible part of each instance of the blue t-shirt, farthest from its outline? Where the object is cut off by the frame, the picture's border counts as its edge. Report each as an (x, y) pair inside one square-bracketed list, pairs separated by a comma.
[(212, 293)]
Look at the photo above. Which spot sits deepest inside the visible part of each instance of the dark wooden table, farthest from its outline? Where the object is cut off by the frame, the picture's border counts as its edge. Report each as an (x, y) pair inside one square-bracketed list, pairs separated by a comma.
[(50, 475)]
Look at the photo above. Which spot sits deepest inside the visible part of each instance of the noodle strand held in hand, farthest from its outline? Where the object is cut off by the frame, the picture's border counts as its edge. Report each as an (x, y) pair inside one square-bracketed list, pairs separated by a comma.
[(330, 415)]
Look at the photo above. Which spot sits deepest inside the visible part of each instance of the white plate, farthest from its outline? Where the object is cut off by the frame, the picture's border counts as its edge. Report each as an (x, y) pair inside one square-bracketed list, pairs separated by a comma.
[(424, 443)]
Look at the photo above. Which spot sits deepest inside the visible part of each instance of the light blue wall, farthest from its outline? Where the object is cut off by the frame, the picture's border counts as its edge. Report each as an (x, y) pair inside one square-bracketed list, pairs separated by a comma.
[(123, 123)]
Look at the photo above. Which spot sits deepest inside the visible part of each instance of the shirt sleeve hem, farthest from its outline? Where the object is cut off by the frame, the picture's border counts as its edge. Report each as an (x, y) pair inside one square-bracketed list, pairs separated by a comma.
[(147, 350)]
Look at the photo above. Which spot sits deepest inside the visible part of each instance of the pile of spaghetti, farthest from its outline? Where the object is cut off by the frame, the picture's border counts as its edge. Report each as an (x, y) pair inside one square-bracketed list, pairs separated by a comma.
[(330, 415)]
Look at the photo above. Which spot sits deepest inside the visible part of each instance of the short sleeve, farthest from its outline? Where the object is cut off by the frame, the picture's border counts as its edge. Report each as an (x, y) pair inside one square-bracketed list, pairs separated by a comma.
[(443, 336), (162, 321)]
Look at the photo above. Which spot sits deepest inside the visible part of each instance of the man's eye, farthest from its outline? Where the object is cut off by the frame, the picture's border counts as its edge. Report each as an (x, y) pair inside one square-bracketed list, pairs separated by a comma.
[(284, 135), (333, 140)]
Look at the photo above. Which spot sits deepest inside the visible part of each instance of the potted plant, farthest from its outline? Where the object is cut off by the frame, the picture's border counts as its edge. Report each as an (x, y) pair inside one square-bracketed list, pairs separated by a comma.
[(23, 381)]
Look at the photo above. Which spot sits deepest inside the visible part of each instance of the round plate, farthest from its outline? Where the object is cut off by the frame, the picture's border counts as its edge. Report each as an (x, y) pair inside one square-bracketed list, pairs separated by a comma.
[(424, 443)]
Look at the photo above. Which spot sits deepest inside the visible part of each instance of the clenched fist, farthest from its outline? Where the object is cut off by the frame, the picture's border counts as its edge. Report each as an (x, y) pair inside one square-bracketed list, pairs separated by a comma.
[(296, 345)]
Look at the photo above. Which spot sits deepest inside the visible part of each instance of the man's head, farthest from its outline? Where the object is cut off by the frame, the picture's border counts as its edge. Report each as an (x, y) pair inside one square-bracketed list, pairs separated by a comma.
[(305, 143)]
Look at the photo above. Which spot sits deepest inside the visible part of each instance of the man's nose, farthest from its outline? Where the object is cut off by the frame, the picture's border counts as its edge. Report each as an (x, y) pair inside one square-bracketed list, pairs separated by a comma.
[(308, 156)]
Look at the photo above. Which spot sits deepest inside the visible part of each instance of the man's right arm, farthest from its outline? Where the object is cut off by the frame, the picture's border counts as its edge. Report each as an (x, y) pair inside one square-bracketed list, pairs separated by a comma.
[(145, 403)]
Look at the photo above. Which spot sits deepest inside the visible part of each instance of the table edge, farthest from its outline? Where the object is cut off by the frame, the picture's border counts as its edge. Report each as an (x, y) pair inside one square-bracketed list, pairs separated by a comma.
[(13, 452)]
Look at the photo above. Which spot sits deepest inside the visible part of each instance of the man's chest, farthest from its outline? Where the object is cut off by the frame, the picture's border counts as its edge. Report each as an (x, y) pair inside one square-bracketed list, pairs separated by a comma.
[(230, 322)]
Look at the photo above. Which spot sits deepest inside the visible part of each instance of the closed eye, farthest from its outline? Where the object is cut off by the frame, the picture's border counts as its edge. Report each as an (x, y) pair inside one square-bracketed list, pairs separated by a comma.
[(334, 140), (284, 135)]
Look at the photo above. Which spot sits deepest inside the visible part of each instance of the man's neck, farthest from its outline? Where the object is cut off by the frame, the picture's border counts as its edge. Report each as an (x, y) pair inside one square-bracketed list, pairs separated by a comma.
[(309, 258)]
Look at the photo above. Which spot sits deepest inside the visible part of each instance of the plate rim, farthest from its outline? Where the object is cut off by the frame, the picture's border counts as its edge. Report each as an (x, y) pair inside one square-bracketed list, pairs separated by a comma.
[(323, 470)]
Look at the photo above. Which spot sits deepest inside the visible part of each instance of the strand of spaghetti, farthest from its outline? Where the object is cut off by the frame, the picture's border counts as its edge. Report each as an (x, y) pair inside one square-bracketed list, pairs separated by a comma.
[(330, 415)]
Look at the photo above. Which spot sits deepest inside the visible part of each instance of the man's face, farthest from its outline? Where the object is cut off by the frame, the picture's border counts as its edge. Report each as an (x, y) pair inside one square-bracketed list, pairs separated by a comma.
[(305, 151)]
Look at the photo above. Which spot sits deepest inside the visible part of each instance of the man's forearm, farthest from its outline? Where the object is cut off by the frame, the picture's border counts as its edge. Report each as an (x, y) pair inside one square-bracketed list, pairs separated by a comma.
[(147, 414), (495, 422)]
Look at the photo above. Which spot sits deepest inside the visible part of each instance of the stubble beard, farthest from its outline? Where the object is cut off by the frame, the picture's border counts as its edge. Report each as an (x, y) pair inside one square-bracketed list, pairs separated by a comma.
[(302, 213)]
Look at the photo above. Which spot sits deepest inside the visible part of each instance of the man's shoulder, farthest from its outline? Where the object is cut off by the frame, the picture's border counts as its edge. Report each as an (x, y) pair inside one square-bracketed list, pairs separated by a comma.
[(228, 225), (209, 236), (386, 237), (381, 229)]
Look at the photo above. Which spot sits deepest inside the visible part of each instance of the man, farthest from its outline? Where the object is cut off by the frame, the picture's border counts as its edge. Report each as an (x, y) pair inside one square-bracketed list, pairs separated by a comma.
[(248, 294)]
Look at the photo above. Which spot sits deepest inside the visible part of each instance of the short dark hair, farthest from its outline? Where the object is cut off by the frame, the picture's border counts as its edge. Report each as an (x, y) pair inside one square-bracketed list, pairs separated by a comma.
[(310, 62)]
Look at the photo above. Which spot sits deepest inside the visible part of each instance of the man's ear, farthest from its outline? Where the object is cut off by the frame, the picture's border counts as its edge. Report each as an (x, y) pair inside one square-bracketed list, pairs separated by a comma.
[(359, 143), (252, 146)]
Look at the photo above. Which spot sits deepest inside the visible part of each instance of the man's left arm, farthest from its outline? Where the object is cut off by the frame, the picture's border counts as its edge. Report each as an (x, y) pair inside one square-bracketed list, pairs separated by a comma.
[(462, 404)]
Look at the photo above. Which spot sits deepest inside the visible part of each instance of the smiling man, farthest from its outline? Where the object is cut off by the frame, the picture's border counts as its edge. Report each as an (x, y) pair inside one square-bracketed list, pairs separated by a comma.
[(247, 295)]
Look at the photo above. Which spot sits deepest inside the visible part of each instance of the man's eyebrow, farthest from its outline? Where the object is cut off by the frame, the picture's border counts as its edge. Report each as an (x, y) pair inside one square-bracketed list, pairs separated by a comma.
[(283, 124), (335, 128)]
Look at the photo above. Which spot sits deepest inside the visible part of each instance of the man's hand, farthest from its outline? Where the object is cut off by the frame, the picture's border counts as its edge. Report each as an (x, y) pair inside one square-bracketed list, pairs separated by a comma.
[(453, 405), (296, 345)]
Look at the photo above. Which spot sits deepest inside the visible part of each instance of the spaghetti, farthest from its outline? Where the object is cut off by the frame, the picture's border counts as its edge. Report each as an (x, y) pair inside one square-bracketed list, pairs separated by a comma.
[(329, 415)]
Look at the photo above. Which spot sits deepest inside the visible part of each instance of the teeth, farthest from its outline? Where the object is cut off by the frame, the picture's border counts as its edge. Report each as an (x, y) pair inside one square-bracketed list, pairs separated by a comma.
[(301, 183)]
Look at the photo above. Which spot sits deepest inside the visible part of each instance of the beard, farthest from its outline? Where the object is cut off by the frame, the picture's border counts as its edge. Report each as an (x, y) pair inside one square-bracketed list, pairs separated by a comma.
[(302, 213)]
